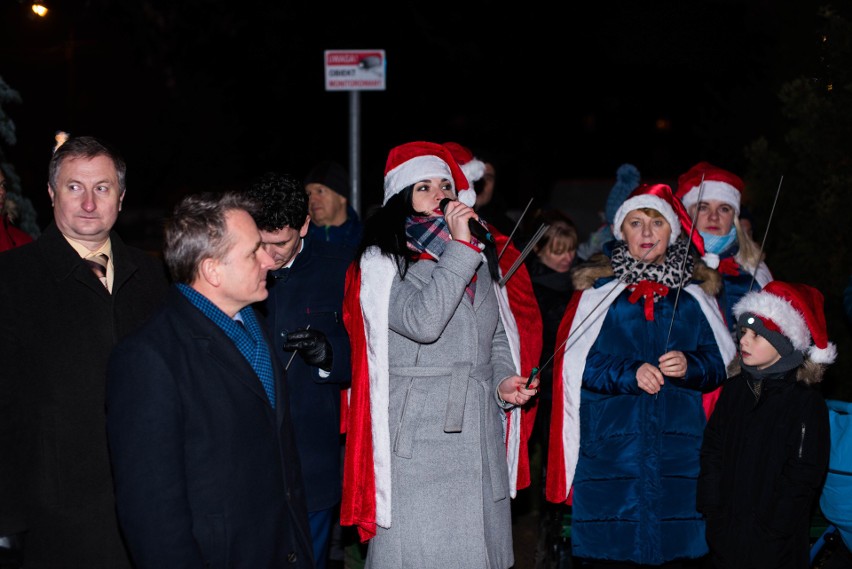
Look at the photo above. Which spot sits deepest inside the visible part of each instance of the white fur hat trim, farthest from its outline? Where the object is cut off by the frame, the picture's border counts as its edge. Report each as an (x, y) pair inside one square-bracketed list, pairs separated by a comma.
[(711, 260), (473, 171), (714, 190), (413, 171), (649, 201), (789, 320)]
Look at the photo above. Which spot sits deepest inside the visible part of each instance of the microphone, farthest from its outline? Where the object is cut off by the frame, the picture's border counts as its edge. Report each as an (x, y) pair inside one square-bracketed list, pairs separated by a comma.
[(476, 228)]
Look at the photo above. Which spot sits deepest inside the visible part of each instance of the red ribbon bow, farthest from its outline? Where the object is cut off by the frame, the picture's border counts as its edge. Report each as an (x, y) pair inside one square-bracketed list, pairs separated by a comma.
[(647, 289), (728, 266)]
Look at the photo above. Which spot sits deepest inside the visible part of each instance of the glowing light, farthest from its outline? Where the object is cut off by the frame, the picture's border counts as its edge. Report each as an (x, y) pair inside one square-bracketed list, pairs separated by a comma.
[(40, 10)]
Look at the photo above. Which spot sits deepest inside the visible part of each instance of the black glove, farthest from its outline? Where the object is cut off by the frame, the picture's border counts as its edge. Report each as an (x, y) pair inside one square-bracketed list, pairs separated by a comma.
[(312, 345)]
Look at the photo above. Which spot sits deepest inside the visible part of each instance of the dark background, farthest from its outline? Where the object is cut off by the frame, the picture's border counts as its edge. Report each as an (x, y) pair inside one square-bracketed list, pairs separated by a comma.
[(205, 95), (202, 94)]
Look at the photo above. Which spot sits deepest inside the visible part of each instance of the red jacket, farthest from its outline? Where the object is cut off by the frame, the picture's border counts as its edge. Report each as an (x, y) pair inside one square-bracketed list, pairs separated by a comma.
[(11, 236)]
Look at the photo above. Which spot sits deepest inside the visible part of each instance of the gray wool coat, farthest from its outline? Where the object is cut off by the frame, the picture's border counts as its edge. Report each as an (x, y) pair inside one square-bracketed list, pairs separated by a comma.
[(449, 476)]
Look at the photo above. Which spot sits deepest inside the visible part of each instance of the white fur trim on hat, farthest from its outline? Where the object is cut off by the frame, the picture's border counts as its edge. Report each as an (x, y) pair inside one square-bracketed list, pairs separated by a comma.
[(473, 171), (714, 190), (414, 170), (781, 312), (789, 320), (712, 260), (826, 355), (649, 201), (468, 197)]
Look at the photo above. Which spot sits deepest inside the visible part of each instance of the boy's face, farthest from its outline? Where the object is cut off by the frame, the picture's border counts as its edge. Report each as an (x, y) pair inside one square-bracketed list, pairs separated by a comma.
[(756, 350)]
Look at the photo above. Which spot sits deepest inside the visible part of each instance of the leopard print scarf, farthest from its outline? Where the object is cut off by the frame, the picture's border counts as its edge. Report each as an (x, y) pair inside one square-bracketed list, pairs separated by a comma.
[(630, 271)]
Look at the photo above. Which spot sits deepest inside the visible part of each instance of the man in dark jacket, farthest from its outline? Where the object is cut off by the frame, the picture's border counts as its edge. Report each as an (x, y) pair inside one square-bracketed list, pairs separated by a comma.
[(205, 465), (304, 313), (59, 322), (333, 218)]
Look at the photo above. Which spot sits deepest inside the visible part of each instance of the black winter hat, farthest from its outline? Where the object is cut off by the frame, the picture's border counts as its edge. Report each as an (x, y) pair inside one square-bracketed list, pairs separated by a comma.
[(331, 174)]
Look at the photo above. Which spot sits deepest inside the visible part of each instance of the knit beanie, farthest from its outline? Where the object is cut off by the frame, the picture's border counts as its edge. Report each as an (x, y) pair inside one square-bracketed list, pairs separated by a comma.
[(332, 175), (626, 179)]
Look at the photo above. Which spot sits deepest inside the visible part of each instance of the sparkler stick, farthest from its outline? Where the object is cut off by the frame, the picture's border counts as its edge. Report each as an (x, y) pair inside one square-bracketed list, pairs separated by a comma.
[(579, 326), (536, 238), (517, 224), (293, 355), (683, 263), (765, 233)]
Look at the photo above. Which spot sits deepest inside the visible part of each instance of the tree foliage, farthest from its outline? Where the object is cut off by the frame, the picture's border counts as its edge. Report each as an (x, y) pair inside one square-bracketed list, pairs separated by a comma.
[(809, 235), (25, 212)]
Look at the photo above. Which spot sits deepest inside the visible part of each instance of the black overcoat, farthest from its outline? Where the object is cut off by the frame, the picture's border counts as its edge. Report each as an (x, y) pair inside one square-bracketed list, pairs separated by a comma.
[(57, 327), (762, 465), (206, 470), (310, 293)]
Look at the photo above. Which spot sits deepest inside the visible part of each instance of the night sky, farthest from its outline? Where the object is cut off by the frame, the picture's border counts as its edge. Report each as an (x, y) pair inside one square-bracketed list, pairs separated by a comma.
[(206, 95)]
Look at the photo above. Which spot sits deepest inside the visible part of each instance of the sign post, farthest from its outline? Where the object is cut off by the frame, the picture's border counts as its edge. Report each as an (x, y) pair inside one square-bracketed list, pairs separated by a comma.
[(354, 71)]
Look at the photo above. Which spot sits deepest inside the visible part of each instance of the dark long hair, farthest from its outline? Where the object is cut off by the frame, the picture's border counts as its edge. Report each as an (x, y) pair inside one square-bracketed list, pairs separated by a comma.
[(385, 229)]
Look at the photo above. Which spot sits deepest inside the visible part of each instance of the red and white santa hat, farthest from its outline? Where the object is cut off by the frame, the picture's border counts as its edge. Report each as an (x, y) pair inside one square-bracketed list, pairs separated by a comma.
[(718, 184), (796, 311), (658, 197), (412, 162), (473, 169)]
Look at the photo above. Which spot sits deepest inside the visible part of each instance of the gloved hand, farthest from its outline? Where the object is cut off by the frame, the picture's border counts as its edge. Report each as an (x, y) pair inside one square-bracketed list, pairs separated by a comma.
[(312, 346)]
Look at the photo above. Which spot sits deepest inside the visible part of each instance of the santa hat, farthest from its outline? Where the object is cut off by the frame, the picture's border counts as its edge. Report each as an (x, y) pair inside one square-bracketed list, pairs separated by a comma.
[(718, 184), (658, 197), (796, 311), (412, 162), (472, 167)]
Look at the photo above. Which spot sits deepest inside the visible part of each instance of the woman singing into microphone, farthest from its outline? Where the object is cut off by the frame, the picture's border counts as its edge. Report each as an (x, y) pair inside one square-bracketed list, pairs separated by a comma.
[(426, 474)]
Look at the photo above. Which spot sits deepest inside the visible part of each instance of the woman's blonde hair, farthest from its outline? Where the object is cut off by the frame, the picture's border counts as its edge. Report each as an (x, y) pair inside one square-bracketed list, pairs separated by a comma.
[(561, 236), (750, 254), (558, 239)]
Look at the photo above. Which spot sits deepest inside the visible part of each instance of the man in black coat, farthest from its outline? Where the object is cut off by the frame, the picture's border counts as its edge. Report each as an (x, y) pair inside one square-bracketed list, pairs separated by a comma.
[(304, 312), (59, 323), (205, 465)]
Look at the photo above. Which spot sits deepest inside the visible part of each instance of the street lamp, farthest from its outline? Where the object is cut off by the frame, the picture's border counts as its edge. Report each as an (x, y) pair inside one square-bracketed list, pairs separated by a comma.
[(39, 9)]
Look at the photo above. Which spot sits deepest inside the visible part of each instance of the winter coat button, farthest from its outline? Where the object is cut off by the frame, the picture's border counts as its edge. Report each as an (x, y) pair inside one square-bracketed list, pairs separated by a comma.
[(292, 557)]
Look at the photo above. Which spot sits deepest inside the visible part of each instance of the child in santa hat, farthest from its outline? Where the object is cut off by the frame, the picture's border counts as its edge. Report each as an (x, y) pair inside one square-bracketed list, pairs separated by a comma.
[(766, 446), (426, 478)]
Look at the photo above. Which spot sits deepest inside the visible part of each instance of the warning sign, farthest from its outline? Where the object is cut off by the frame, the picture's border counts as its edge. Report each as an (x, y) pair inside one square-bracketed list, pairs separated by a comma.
[(355, 70)]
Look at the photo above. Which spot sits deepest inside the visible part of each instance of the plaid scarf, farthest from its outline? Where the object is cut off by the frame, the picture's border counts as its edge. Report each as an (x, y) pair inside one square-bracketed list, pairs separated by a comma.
[(249, 340), (430, 235)]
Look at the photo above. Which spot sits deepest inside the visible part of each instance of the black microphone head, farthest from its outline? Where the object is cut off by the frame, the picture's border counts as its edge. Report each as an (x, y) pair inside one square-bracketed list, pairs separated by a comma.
[(443, 204)]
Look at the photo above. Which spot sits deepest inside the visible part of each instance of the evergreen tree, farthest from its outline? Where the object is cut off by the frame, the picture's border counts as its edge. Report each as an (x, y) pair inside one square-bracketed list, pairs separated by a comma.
[(809, 235), (25, 212)]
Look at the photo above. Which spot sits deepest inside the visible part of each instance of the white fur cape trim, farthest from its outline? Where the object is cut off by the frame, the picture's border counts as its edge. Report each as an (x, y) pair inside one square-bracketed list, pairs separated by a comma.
[(581, 341), (513, 426), (377, 272)]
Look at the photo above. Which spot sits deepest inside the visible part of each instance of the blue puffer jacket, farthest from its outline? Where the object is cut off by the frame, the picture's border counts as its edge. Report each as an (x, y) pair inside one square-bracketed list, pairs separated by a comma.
[(635, 482)]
